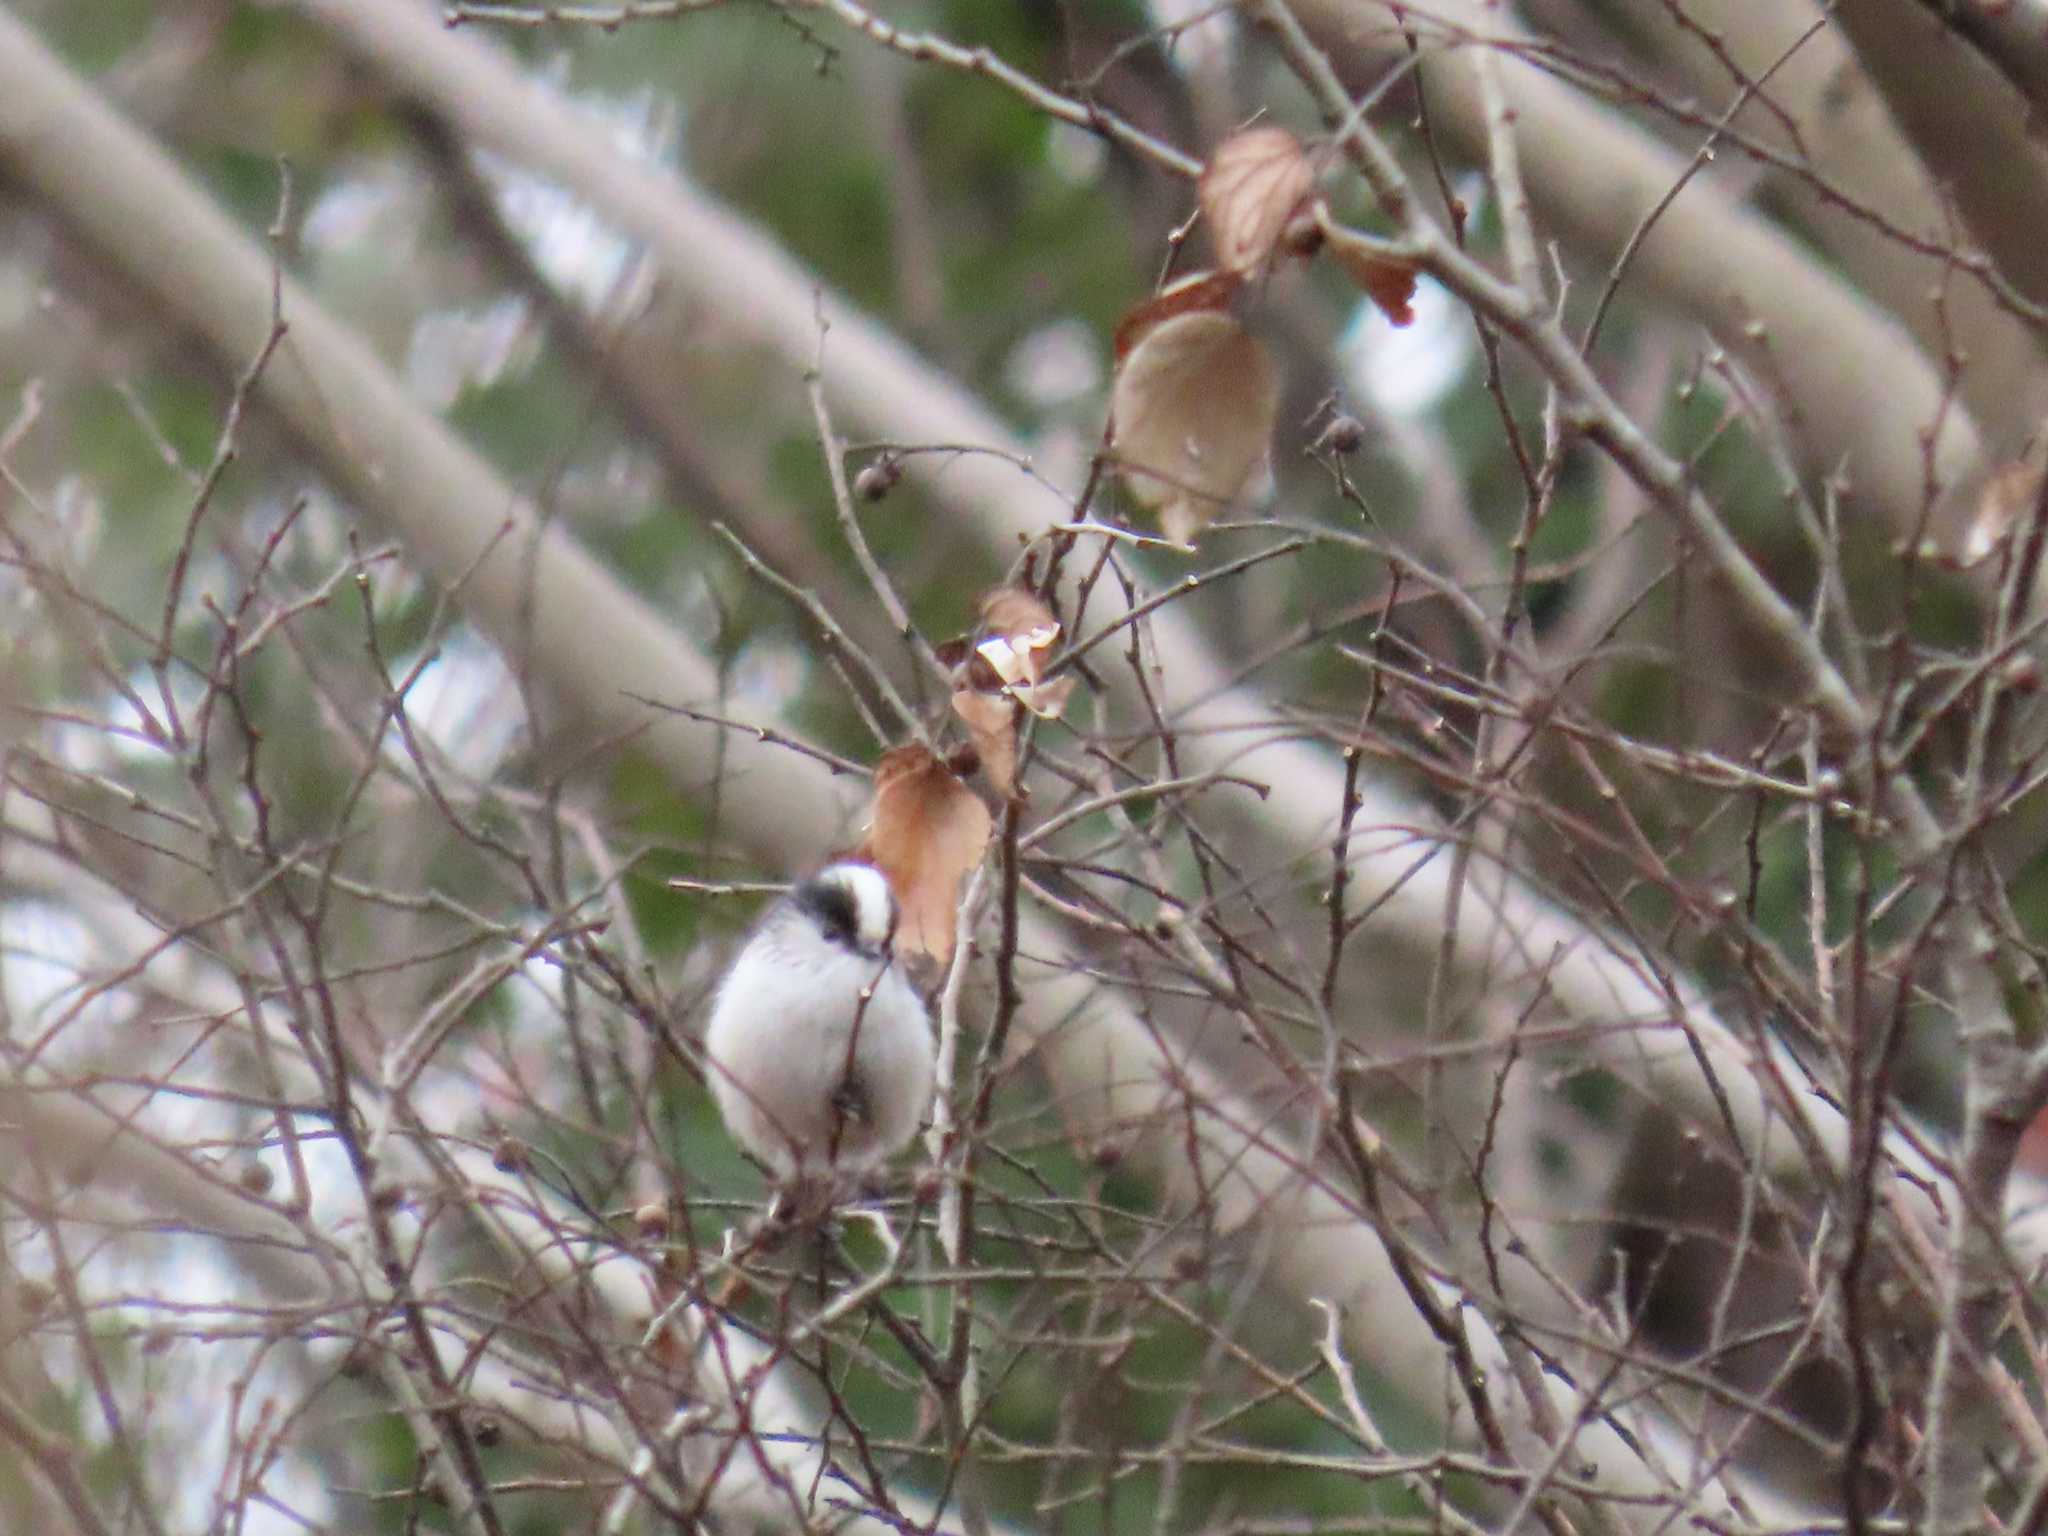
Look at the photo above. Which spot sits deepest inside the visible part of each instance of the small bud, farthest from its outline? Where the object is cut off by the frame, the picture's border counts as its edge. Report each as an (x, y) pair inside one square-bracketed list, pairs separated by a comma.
[(1107, 1155), (1344, 434), (488, 1432), (33, 1297), (2022, 674), (387, 1197), (878, 479), (652, 1220), (1188, 1264), (1302, 236), (256, 1176), (965, 761), (928, 1188), (509, 1155)]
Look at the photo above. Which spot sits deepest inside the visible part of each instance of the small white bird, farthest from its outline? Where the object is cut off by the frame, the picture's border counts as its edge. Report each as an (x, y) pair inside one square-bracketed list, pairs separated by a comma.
[(819, 1051)]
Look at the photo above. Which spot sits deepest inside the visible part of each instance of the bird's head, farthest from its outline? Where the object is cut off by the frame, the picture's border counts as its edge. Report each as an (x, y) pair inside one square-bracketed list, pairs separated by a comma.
[(852, 906)]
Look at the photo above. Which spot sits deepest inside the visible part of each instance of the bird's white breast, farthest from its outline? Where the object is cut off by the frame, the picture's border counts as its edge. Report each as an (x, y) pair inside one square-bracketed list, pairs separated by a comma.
[(788, 1027)]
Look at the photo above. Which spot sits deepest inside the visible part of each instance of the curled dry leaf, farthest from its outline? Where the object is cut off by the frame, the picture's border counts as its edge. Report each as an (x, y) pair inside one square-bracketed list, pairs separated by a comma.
[(1386, 279), (1018, 636), (1002, 668), (1012, 611), (1255, 182), (991, 720), (1389, 281), (2008, 496), (1191, 414), (1184, 295), (926, 831)]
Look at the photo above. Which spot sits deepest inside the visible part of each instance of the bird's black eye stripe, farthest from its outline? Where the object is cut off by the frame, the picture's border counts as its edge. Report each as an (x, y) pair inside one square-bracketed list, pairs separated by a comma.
[(834, 908)]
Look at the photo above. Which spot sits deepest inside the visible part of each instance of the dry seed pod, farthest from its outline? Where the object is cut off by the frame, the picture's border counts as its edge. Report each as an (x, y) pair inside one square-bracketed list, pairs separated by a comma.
[(1345, 434), (1252, 186), (875, 481), (1191, 415), (925, 832)]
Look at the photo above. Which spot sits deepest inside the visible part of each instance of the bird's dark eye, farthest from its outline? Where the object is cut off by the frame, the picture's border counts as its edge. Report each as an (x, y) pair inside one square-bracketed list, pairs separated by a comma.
[(833, 907)]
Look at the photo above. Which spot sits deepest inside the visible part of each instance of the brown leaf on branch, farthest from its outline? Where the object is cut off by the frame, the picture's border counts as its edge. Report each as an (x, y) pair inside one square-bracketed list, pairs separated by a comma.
[(991, 720), (2008, 496), (1001, 668), (1191, 415), (1389, 281), (1016, 613), (926, 831), (1017, 637), (1185, 295), (1253, 185)]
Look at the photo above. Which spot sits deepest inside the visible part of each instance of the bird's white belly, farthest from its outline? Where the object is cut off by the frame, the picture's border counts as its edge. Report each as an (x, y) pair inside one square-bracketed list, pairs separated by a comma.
[(791, 1049)]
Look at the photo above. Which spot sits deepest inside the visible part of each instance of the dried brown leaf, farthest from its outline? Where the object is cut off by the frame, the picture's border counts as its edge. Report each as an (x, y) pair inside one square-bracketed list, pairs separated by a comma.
[(991, 720), (1011, 611), (1047, 700), (1253, 185), (1185, 295), (2008, 495), (1019, 633), (927, 830), (1191, 415), (1389, 281)]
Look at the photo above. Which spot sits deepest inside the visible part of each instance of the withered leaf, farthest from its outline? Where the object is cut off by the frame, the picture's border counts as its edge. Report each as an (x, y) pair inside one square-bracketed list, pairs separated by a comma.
[(927, 830), (1389, 281), (1045, 699), (1012, 611), (2008, 495), (1184, 295), (1255, 182), (991, 720), (1191, 415), (1018, 635)]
